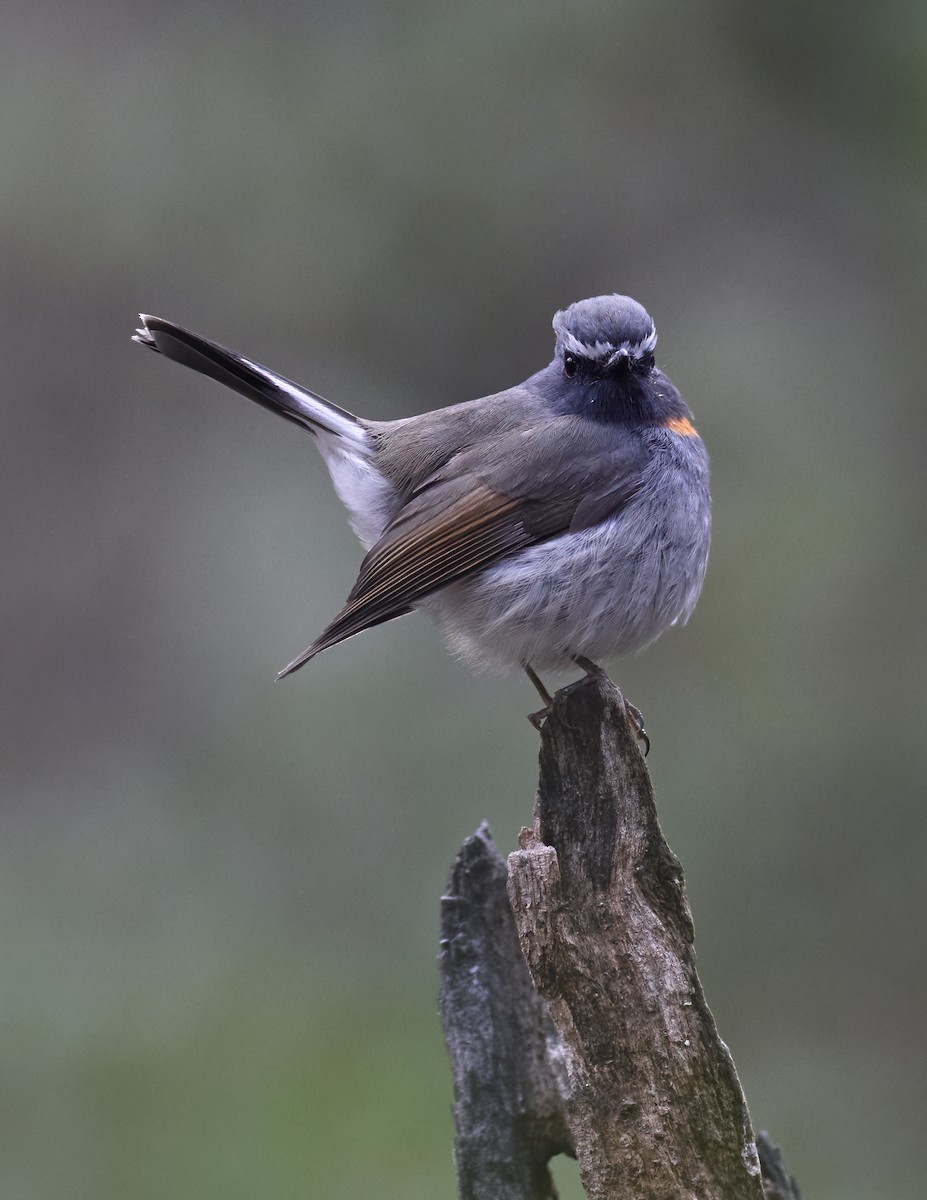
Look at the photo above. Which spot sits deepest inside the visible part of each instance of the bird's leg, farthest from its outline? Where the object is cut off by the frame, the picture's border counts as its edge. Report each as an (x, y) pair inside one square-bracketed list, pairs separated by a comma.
[(592, 669), (637, 717), (537, 719)]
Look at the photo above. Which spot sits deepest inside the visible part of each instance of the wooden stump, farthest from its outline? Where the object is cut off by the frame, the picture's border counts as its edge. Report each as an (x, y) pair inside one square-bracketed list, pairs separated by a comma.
[(572, 1009)]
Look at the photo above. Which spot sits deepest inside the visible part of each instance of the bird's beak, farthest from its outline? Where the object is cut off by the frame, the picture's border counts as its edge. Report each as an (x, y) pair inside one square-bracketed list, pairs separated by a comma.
[(621, 356)]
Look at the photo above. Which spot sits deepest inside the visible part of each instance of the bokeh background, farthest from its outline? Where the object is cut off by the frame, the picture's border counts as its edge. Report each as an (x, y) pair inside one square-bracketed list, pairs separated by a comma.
[(218, 894)]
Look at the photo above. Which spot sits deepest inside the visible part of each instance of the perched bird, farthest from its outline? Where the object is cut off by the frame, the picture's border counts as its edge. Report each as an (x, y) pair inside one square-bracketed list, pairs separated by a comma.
[(563, 521)]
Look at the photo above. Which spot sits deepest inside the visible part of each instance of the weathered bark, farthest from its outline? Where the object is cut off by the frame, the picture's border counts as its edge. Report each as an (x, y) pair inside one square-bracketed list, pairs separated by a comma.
[(509, 1079), (778, 1184), (655, 1105), (613, 1049)]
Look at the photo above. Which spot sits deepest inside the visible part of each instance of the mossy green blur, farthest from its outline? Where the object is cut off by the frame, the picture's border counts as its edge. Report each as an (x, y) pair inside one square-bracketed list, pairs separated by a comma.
[(219, 894)]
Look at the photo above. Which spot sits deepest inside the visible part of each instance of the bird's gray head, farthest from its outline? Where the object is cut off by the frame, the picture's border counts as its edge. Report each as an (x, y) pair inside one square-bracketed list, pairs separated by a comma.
[(603, 368), (607, 331)]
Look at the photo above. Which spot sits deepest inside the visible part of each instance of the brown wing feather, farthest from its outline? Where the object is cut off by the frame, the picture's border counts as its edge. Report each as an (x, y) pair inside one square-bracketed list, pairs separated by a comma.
[(416, 558), (496, 502)]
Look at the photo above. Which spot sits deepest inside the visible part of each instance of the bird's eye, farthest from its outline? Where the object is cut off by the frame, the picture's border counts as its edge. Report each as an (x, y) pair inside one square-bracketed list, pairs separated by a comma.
[(570, 365)]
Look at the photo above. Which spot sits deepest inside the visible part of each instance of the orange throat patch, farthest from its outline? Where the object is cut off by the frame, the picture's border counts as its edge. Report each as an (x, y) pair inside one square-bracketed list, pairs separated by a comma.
[(681, 425)]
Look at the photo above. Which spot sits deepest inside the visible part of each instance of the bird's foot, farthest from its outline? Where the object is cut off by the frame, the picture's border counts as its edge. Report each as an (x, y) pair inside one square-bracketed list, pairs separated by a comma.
[(637, 724), (538, 718), (593, 670), (635, 716)]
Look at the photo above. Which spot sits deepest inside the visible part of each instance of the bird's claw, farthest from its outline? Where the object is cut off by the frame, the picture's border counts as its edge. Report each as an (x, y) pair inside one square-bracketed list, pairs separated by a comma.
[(637, 724), (538, 718)]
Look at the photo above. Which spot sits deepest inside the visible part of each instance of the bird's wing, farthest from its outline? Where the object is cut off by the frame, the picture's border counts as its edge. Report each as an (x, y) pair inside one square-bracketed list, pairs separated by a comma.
[(484, 506)]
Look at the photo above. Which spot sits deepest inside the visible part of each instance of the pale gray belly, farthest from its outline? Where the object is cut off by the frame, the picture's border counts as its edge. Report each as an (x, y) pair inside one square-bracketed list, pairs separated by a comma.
[(599, 592)]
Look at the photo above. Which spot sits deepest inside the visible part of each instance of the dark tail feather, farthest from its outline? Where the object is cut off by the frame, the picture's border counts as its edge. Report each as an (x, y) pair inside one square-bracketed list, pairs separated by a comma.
[(339, 631), (258, 383)]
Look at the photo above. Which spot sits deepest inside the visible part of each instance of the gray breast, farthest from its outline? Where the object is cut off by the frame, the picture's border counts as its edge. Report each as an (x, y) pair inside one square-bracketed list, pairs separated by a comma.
[(600, 592)]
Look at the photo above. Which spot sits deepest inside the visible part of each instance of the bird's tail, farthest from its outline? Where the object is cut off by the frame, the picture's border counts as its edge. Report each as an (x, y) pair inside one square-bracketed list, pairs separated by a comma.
[(258, 383)]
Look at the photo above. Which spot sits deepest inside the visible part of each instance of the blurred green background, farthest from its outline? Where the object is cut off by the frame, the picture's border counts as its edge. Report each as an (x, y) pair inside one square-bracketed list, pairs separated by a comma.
[(219, 894)]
